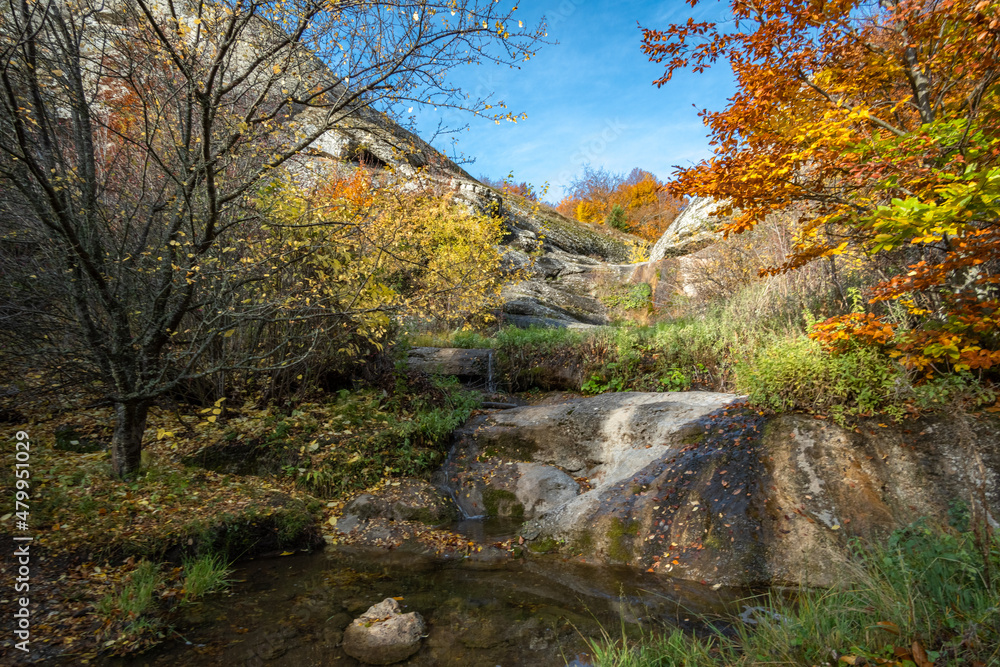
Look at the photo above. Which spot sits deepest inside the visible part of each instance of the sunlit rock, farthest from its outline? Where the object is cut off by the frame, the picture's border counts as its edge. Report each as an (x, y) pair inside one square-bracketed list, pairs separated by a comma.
[(383, 636)]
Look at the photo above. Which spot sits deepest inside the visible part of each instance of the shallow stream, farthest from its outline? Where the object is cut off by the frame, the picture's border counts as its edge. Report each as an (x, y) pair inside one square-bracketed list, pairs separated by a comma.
[(535, 611)]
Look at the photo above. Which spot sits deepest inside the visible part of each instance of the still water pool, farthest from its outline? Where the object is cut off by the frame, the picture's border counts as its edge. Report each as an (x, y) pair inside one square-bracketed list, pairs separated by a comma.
[(292, 611)]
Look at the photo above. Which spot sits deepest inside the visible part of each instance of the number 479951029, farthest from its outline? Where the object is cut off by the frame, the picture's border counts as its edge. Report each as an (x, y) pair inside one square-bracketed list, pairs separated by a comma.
[(22, 472)]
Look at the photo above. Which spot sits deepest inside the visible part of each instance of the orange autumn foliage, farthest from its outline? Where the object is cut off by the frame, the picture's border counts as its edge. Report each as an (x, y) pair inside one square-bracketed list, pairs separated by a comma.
[(649, 208), (882, 122)]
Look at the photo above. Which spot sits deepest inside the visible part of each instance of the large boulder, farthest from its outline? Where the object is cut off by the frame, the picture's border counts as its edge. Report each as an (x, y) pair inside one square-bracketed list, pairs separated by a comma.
[(692, 230), (383, 636), (695, 486), (509, 463), (542, 488), (408, 500)]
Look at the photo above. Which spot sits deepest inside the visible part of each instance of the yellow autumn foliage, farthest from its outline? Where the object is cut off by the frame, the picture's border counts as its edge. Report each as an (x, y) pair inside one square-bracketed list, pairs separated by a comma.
[(591, 211), (382, 256)]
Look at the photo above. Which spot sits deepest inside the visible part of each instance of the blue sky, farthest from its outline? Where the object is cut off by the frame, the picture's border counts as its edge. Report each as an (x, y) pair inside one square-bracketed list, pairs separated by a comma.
[(590, 98)]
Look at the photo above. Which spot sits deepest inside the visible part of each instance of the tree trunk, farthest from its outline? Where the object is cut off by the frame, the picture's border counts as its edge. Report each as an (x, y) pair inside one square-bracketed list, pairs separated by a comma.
[(126, 443)]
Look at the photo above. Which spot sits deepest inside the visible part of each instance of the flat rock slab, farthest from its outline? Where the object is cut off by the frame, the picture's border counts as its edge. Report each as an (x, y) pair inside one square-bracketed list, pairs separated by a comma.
[(537, 459), (450, 361)]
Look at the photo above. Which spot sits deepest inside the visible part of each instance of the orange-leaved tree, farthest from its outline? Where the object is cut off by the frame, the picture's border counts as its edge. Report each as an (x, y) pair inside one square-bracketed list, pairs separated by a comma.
[(647, 206), (884, 119)]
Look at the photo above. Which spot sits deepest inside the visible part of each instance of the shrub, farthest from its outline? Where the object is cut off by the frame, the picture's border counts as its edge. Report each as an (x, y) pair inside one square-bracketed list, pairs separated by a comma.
[(797, 374), (617, 219), (630, 297)]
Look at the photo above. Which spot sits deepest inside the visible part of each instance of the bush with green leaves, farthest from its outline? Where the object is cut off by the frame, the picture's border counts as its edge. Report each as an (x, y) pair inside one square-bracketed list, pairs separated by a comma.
[(797, 374), (630, 297)]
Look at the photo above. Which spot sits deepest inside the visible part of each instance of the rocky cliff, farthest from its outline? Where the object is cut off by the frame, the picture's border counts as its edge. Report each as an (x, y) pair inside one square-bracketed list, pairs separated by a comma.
[(560, 262)]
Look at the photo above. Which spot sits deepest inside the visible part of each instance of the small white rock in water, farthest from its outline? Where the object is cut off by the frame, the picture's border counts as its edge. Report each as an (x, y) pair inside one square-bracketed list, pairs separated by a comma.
[(383, 636)]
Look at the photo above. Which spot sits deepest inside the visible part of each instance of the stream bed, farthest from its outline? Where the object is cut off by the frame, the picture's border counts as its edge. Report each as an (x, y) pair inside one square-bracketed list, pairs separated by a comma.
[(534, 611)]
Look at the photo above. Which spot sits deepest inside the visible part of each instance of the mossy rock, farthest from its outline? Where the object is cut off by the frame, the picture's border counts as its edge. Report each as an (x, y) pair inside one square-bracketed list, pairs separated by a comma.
[(543, 546), (583, 543), (502, 503), (619, 536), (510, 447)]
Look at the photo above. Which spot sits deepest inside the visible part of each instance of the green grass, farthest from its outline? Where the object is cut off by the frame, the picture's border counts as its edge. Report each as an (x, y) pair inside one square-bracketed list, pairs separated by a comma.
[(755, 344), (135, 598), (796, 374), (205, 574), (936, 586)]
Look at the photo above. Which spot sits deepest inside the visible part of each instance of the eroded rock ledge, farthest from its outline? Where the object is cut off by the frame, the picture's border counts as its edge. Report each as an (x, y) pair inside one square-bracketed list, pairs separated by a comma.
[(694, 486)]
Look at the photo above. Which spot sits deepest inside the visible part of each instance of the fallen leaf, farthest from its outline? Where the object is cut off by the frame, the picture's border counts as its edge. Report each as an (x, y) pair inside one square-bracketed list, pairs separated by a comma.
[(920, 655), (888, 626)]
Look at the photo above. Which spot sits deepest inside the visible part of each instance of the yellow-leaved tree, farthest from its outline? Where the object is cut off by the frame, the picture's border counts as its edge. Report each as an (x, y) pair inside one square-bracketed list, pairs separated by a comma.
[(137, 139), (383, 253)]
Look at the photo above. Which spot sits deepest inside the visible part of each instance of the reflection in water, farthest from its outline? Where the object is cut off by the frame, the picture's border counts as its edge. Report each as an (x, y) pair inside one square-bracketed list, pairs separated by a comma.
[(292, 611)]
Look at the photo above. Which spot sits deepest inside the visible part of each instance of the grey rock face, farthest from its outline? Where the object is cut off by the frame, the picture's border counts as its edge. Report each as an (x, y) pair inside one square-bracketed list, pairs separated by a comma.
[(541, 488), (693, 229), (383, 636), (694, 486)]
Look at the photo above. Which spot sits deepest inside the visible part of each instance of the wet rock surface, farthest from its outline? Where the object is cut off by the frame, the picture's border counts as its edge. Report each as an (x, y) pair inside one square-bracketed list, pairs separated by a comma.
[(395, 513), (693, 485)]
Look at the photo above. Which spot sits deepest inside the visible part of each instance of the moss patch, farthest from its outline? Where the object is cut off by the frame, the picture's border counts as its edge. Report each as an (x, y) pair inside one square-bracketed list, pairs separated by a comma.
[(619, 542), (510, 447), (544, 546), (693, 439), (500, 502), (584, 542)]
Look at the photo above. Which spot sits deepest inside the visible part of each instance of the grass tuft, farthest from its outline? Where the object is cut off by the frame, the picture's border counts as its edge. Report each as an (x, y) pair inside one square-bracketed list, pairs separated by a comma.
[(205, 574), (135, 598), (929, 592)]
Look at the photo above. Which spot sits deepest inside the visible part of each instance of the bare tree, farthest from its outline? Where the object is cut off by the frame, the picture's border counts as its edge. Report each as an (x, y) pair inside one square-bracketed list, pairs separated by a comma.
[(135, 139)]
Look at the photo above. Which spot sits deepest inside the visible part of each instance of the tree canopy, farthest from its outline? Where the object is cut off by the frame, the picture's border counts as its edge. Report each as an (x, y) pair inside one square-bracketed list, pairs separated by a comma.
[(636, 202), (883, 118), (140, 143)]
